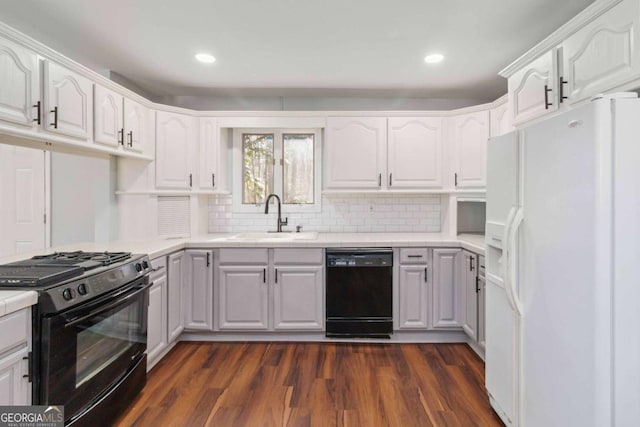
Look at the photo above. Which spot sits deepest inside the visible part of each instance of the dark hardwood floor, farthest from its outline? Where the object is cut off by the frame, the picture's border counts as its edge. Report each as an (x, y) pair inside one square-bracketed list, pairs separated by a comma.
[(314, 384)]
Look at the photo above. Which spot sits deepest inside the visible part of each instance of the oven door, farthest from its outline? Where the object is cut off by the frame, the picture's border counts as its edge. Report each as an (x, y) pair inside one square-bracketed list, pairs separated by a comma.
[(88, 349)]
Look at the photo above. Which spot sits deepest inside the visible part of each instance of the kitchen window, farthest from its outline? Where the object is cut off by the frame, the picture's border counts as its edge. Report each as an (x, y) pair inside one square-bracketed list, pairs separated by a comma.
[(281, 161)]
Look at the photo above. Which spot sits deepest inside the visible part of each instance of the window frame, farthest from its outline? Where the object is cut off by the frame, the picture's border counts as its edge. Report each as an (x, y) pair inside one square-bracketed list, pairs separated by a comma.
[(278, 172)]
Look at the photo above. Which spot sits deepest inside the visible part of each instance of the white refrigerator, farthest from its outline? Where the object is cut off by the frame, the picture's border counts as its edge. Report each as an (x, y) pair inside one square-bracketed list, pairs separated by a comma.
[(562, 263)]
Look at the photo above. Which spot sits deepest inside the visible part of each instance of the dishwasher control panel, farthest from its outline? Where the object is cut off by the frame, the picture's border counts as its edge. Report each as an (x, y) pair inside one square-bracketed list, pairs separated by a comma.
[(360, 259)]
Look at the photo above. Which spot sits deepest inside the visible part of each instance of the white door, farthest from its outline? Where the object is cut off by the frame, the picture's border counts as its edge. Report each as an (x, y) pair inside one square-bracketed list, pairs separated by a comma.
[(107, 120), (136, 118), (356, 152), (174, 142), (19, 85), (413, 297), (501, 120), (243, 297), (532, 90), (447, 298), (470, 134), (502, 187), (67, 103), (22, 190), (561, 277), (14, 385), (209, 154), (157, 324), (469, 267), (175, 275), (198, 290), (414, 153), (501, 352), (298, 298), (603, 54)]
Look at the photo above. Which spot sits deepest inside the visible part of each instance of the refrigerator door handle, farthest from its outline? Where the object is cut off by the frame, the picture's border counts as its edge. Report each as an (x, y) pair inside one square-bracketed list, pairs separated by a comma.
[(505, 260), (511, 262)]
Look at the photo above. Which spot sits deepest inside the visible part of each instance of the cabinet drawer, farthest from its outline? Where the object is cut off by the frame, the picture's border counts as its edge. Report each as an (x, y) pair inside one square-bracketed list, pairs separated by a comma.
[(297, 256), (244, 256), (14, 329), (160, 266), (413, 255)]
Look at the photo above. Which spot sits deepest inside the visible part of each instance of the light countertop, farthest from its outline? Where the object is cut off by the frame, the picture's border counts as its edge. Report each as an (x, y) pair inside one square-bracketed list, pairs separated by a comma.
[(11, 301)]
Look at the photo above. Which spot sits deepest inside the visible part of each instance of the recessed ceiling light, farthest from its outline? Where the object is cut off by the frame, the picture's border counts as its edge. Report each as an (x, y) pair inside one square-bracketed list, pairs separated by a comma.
[(205, 58), (434, 58)]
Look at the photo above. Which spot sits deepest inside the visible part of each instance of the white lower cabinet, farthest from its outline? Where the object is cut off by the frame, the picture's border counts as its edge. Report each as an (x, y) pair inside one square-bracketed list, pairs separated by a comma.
[(447, 293), (15, 344), (157, 319), (413, 289), (175, 274), (481, 302), (271, 289), (198, 290), (297, 297), (468, 272), (243, 297)]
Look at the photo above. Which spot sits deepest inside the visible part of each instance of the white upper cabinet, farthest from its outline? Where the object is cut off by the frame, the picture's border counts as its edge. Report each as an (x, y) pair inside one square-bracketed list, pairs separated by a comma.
[(532, 89), (19, 85), (414, 153), (107, 120), (67, 102), (355, 152), (136, 126), (175, 139), (470, 133), (603, 54), (501, 120), (210, 176)]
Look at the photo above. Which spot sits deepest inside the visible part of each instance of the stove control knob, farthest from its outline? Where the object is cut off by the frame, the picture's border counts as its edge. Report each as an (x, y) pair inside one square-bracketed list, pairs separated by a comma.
[(68, 294), (145, 264), (82, 289), (138, 267)]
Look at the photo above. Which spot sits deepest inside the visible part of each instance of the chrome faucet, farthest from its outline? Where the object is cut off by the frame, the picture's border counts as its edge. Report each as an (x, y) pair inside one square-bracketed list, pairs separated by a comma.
[(266, 211)]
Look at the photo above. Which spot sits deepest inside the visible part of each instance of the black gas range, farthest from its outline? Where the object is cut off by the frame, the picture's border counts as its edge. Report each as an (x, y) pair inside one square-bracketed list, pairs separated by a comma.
[(89, 330)]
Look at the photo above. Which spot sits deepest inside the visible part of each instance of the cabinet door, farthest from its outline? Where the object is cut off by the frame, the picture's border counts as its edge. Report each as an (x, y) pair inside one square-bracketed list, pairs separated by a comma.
[(532, 90), (174, 142), (468, 271), (209, 154), (297, 298), (603, 54), (107, 117), (470, 134), (447, 299), (19, 84), (243, 297), (136, 119), (14, 386), (355, 152), (501, 120), (414, 153), (157, 319), (68, 99), (198, 290), (175, 274), (413, 297)]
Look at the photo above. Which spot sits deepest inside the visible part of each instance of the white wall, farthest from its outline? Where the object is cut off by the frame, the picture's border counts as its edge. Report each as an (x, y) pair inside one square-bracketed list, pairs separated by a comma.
[(82, 199), (343, 214)]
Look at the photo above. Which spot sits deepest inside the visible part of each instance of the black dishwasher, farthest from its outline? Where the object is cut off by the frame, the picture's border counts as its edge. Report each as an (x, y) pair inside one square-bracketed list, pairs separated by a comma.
[(359, 293)]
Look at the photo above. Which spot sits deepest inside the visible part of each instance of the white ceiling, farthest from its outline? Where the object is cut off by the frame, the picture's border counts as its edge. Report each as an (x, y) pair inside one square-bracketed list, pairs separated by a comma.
[(278, 47)]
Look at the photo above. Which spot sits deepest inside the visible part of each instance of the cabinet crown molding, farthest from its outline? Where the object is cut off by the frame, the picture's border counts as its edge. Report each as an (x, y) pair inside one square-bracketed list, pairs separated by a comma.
[(554, 39)]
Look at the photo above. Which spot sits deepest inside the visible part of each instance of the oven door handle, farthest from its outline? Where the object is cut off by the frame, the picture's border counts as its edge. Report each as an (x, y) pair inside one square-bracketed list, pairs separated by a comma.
[(120, 301)]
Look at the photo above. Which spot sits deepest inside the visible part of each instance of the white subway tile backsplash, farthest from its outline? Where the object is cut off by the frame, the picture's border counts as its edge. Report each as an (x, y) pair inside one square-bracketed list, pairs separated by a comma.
[(352, 213)]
